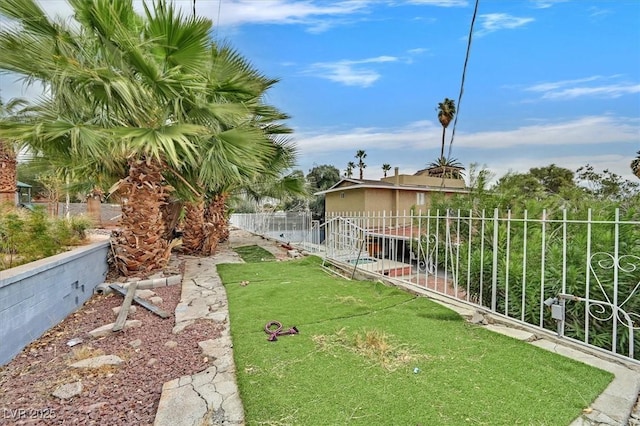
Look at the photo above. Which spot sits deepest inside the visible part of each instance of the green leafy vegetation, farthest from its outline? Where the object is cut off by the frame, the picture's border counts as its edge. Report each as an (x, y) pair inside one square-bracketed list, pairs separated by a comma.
[(533, 255), (369, 354), (26, 236)]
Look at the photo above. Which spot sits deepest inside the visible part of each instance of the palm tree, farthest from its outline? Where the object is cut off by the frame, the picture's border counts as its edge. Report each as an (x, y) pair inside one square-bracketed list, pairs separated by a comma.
[(124, 90), (446, 112), (263, 157), (361, 155), (385, 168), (635, 165), (8, 164), (349, 170)]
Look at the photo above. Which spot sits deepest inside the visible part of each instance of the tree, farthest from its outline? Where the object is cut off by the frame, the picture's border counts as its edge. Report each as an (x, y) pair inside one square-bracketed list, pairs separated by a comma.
[(553, 178), (126, 94), (321, 178), (385, 168), (635, 165), (361, 155), (8, 160), (349, 170), (605, 185), (446, 112), (257, 167)]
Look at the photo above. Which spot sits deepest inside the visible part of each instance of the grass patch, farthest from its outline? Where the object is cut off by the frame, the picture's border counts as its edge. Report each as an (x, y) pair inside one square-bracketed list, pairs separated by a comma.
[(253, 254), (372, 354)]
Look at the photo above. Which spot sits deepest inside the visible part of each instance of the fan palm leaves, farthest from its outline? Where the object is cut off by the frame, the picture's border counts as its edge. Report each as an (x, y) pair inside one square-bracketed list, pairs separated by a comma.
[(349, 170), (361, 155), (446, 112), (150, 94)]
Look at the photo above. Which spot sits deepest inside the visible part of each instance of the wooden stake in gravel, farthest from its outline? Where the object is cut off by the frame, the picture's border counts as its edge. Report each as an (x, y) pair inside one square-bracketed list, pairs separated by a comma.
[(124, 309), (159, 312)]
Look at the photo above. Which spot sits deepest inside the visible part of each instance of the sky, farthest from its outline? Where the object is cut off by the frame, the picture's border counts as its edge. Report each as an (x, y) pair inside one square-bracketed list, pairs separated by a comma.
[(547, 81)]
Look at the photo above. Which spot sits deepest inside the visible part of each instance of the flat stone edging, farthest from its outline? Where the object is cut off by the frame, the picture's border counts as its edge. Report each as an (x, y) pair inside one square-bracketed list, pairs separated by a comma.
[(209, 397)]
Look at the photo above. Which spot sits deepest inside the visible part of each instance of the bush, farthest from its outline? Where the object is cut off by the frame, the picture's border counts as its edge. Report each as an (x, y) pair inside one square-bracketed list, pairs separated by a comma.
[(606, 275), (28, 236)]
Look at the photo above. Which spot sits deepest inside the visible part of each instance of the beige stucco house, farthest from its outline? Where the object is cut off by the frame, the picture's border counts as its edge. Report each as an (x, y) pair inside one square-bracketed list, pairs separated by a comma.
[(396, 194)]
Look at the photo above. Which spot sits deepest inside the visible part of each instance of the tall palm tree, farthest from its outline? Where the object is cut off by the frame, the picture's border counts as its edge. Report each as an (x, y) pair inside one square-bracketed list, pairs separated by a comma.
[(446, 112), (361, 155), (349, 170), (8, 165), (635, 165), (385, 168), (263, 158)]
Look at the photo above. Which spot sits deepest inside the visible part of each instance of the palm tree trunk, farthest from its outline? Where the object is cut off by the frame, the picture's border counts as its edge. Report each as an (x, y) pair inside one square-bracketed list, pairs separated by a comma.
[(193, 236), (444, 130), (139, 247), (216, 229), (171, 216), (8, 173)]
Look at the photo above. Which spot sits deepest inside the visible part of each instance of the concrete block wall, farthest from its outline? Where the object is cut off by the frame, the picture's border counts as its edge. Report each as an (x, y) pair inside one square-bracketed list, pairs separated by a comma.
[(36, 296)]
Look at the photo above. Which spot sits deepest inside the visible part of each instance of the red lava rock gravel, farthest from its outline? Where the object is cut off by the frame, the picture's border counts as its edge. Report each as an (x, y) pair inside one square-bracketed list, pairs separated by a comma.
[(126, 394)]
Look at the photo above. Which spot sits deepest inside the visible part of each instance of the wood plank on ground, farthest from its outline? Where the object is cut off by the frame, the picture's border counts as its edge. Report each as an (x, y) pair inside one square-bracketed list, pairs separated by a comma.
[(150, 306), (124, 309)]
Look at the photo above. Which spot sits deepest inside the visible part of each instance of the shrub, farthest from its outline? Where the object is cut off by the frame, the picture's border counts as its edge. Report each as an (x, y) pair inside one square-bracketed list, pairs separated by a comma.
[(27, 236)]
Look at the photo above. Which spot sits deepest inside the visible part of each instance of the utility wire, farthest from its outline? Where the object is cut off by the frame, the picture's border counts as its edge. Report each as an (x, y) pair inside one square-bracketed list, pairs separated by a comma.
[(464, 73), (218, 21)]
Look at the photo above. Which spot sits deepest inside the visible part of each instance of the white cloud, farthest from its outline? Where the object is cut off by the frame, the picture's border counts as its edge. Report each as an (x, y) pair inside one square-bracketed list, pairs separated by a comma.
[(349, 72), (318, 15), (545, 4), (588, 130), (492, 22), (414, 145), (570, 89), (598, 13), (11, 86)]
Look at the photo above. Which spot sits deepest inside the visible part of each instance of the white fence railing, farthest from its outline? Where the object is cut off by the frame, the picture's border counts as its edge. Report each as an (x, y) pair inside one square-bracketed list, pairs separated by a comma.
[(577, 277), (295, 228)]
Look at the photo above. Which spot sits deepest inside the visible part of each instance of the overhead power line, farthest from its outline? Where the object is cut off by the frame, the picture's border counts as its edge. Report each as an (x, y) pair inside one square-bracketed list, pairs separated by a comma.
[(464, 74)]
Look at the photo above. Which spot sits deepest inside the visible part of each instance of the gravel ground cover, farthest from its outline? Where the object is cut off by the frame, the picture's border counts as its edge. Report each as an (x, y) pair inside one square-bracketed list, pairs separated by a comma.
[(123, 394)]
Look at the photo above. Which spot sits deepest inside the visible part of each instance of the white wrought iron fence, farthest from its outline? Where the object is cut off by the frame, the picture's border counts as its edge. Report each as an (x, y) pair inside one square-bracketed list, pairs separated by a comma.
[(296, 228), (578, 277)]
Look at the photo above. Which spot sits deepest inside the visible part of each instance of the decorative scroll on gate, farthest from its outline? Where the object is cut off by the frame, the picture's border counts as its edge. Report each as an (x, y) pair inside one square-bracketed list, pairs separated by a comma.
[(615, 299)]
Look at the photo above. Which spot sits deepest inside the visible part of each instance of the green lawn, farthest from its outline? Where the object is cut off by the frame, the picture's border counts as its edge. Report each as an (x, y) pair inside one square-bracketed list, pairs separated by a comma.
[(369, 354)]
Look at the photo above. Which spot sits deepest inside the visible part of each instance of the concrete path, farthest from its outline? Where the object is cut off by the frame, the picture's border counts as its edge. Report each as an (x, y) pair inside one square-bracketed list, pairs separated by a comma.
[(211, 396)]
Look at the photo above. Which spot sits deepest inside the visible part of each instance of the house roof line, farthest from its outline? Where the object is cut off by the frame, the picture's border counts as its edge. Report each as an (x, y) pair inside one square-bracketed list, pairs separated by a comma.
[(378, 185)]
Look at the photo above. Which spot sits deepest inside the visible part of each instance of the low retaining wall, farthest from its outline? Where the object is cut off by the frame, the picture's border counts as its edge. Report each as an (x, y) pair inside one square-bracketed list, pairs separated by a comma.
[(38, 295)]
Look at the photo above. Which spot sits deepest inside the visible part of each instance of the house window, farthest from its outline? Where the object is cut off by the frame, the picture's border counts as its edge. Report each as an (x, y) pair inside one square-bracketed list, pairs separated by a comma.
[(342, 194), (420, 198)]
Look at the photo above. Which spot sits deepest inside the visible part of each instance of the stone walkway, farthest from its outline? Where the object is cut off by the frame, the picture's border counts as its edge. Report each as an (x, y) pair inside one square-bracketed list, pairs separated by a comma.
[(211, 396)]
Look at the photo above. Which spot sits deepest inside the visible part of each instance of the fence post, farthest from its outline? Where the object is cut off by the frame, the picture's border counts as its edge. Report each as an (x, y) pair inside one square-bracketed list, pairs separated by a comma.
[(494, 272), (616, 266), (542, 264)]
